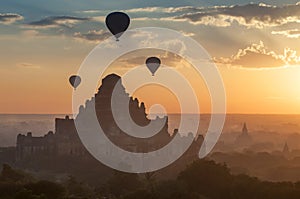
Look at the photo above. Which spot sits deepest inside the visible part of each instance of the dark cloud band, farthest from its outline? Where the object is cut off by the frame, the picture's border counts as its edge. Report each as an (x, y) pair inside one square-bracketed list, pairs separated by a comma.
[(256, 15), (8, 18), (55, 21)]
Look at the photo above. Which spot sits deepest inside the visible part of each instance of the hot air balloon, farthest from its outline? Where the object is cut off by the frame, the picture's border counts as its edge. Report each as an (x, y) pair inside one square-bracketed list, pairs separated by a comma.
[(117, 23), (75, 81), (153, 64)]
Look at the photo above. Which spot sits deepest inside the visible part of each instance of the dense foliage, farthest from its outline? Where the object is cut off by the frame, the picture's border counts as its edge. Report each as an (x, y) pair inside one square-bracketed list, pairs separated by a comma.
[(200, 180)]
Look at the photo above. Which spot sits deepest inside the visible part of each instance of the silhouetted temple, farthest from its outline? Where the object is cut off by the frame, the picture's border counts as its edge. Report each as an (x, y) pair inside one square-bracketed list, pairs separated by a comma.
[(65, 142)]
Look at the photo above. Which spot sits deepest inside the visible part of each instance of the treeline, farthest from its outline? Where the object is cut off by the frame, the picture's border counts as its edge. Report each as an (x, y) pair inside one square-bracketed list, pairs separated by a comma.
[(200, 180)]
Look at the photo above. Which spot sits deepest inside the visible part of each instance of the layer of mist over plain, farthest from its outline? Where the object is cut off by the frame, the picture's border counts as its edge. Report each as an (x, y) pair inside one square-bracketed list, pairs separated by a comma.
[(12, 125), (274, 129)]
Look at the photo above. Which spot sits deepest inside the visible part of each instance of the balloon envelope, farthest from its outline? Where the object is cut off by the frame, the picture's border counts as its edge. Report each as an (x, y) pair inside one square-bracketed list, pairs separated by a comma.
[(75, 81), (117, 23), (153, 64)]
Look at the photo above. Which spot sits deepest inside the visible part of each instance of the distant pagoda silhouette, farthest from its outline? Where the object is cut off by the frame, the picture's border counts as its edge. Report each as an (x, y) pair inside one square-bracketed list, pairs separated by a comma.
[(286, 150), (243, 139)]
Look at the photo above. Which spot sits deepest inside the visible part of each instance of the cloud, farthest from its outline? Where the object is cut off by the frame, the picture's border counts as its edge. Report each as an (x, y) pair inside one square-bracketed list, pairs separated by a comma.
[(143, 19), (92, 36), (99, 18), (258, 56), (9, 18), (142, 10), (28, 66), (290, 57), (30, 33), (138, 58), (57, 21), (159, 9), (187, 34), (250, 15), (146, 9), (295, 33), (90, 11)]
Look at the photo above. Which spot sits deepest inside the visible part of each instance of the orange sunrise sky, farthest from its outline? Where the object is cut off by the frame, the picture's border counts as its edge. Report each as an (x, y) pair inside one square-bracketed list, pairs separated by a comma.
[(256, 47)]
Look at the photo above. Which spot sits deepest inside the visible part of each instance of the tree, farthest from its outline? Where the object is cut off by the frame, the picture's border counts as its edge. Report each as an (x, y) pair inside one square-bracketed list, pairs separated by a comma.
[(123, 183), (207, 178), (10, 175), (51, 190)]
